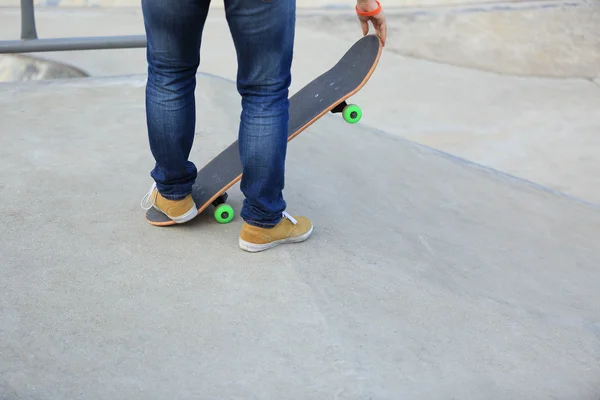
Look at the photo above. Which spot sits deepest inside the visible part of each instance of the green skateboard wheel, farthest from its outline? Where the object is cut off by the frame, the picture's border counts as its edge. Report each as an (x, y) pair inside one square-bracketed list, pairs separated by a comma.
[(352, 113), (224, 213)]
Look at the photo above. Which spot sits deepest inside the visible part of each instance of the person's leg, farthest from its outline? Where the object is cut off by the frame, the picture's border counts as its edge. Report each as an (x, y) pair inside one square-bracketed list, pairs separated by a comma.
[(174, 31), (263, 34)]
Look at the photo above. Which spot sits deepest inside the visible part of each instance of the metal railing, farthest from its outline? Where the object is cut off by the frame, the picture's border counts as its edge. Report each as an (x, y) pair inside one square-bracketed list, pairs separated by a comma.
[(30, 42)]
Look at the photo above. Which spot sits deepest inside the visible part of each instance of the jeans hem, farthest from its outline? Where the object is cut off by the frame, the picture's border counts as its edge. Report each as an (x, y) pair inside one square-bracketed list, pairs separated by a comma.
[(174, 197), (261, 224)]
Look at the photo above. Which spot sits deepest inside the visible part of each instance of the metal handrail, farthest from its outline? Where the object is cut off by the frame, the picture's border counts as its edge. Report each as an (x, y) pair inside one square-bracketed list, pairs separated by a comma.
[(28, 30), (72, 44), (30, 42)]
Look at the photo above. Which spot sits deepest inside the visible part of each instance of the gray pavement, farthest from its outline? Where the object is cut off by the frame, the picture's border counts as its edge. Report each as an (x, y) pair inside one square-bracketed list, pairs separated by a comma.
[(427, 277)]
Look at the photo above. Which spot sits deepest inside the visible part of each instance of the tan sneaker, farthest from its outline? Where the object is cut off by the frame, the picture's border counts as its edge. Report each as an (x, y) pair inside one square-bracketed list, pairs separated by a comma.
[(288, 230), (179, 211)]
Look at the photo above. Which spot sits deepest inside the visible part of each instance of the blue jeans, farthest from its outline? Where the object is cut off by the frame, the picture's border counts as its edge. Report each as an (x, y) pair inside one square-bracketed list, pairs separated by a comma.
[(263, 35)]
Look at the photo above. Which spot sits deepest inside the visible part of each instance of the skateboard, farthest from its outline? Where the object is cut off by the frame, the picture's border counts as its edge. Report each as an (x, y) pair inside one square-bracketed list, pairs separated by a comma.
[(326, 93)]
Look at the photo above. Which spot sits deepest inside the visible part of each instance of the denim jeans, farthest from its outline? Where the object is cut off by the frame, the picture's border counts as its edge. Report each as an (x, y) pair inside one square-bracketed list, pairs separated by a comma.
[(263, 35)]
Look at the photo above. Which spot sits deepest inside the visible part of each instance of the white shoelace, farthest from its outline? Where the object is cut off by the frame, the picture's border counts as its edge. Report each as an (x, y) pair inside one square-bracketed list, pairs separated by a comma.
[(288, 216), (147, 197)]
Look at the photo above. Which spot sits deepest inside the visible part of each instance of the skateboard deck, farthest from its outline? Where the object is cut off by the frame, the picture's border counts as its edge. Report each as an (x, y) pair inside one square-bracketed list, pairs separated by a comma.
[(326, 93)]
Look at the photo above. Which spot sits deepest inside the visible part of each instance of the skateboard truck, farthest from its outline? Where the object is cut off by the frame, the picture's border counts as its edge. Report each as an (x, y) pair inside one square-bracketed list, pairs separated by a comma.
[(351, 112)]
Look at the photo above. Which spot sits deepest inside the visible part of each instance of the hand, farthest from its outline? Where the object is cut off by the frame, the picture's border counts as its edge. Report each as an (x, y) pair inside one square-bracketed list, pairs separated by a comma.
[(377, 20)]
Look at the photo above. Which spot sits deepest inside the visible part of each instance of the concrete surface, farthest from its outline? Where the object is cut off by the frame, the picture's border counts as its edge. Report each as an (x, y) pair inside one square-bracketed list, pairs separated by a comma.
[(427, 277), (540, 38), (20, 67), (541, 129)]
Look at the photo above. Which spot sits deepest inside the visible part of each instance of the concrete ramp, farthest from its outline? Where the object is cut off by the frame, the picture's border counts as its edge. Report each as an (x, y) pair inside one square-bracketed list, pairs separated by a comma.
[(19, 67), (427, 277)]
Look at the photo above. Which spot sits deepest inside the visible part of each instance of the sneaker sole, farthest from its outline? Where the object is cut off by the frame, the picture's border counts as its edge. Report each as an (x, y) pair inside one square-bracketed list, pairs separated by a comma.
[(189, 215), (255, 248)]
